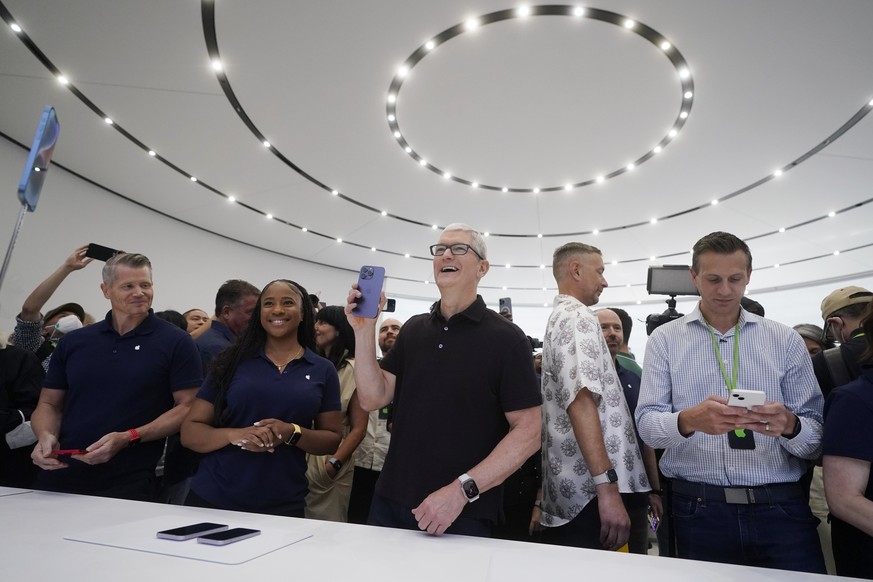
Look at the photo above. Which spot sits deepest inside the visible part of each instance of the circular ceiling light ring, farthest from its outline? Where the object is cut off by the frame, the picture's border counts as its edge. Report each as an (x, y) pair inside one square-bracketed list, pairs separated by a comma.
[(658, 40)]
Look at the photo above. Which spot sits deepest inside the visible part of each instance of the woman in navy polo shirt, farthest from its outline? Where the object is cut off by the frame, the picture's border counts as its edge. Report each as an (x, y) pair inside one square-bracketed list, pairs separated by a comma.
[(268, 401)]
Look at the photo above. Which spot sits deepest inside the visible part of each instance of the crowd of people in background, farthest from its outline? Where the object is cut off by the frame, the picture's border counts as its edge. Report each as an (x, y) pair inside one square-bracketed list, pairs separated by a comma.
[(277, 403)]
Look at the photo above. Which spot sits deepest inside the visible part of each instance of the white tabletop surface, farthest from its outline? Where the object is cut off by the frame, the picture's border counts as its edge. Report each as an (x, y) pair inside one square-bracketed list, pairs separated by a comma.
[(35, 525)]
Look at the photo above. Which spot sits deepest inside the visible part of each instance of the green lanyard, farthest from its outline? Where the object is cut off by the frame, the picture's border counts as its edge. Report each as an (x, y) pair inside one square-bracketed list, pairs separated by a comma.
[(730, 382)]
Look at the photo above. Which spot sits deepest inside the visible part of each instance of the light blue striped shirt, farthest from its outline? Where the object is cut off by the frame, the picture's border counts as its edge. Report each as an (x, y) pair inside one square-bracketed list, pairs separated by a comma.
[(681, 370)]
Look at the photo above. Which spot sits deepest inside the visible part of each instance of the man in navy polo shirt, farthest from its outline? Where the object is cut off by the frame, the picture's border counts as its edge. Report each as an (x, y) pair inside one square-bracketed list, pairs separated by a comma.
[(115, 390), (459, 429), (234, 304)]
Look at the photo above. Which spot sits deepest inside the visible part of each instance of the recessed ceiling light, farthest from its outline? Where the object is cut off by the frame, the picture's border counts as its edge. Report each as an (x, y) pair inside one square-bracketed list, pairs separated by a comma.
[(629, 23), (504, 287), (831, 214), (408, 149), (447, 175), (193, 179), (304, 229), (540, 235), (684, 73), (14, 26), (595, 231), (402, 71), (475, 184), (152, 153), (654, 220), (688, 95), (63, 80), (673, 133), (776, 266), (434, 227), (665, 46), (108, 120), (545, 304), (397, 134), (423, 162), (568, 187), (639, 302), (630, 167), (471, 24), (384, 213), (536, 190), (339, 240), (871, 103), (429, 46), (782, 229), (614, 263), (836, 253), (266, 144), (508, 266), (600, 179), (231, 199), (578, 11), (406, 255), (504, 190), (335, 192), (391, 117), (777, 173), (486, 234), (216, 65), (683, 115), (657, 149), (392, 98), (269, 216), (652, 258), (373, 249), (714, 202), (628, 285), (542, 266), (522, 11)]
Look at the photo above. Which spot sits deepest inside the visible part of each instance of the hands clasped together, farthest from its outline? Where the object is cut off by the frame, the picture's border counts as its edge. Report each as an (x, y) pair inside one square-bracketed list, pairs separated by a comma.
[(262, 437)]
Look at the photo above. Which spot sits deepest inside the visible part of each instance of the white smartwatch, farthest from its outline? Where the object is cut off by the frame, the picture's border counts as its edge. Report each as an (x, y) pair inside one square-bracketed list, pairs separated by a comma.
[(469, 488), (610, 476)]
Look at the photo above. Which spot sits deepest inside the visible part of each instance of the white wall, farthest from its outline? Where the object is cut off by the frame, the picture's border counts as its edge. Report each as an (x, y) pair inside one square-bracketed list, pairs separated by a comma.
[(190, 265)]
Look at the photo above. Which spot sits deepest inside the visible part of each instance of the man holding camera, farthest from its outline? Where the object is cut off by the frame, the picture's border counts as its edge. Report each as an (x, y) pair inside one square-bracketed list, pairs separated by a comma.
[(459, 431), (733, 471)]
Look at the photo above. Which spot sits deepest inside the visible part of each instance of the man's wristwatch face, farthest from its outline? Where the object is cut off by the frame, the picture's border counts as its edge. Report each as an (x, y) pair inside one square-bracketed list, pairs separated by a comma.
[(469, 487)]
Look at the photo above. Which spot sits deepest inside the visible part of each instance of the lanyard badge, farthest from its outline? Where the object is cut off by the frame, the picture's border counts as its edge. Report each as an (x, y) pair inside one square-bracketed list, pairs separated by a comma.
[(740, 438)]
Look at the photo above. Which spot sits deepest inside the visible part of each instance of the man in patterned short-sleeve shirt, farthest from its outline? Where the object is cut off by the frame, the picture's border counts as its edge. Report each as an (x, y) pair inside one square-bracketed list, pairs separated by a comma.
[(590, 450)]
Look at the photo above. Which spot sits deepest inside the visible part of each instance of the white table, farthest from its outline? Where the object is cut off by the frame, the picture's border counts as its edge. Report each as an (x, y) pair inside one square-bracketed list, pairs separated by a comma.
[(33, 547)]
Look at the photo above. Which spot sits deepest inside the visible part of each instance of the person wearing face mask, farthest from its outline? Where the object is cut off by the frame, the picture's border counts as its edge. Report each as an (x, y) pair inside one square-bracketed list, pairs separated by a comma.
[(36, 333), (330, 476)]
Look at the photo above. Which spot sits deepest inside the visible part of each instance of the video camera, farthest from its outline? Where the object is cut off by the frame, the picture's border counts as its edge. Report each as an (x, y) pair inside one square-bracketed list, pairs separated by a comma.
[(669, 280)]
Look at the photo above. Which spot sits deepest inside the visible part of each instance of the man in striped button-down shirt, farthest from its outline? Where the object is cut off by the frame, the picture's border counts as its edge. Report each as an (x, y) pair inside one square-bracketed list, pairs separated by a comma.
[(734, 472)]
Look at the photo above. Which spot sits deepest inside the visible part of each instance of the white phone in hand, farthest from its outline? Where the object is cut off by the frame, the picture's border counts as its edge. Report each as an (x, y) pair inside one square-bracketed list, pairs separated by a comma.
[(747, 398)]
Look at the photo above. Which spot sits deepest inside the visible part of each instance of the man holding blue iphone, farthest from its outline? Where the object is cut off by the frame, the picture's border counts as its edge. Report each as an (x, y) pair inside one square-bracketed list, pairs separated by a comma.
[(459, 430), (733, 469)]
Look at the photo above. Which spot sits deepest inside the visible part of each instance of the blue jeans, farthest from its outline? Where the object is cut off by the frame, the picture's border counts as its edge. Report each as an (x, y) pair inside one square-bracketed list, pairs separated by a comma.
[(770, 535), (387, 513)]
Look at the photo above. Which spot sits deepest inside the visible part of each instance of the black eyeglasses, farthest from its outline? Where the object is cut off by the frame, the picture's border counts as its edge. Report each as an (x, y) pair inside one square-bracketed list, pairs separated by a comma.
[(457, 250)]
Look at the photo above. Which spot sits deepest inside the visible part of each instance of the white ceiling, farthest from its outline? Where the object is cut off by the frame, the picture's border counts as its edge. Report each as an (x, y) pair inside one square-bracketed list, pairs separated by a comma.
[(523, 102)]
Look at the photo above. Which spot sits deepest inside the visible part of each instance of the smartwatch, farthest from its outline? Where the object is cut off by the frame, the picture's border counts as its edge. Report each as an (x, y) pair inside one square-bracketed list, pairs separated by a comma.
[(469, 488), (337, 464), (295, 436), (134, 437), (610, 476)]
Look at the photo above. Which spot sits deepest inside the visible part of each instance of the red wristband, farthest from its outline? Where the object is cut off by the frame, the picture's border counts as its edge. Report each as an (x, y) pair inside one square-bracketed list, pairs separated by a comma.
[(134, 437)]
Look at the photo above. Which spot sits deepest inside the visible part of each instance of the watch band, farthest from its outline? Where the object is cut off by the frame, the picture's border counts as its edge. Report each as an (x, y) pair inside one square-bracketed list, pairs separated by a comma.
[(337, 464), (295, 435), (135, 439), (609, 476)]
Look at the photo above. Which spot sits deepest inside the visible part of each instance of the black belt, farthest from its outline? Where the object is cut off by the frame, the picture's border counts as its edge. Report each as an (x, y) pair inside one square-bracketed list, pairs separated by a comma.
[(740, 495)]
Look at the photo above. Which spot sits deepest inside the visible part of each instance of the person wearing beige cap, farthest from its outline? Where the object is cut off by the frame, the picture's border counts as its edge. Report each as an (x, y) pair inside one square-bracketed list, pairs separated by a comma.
[(842, 311)]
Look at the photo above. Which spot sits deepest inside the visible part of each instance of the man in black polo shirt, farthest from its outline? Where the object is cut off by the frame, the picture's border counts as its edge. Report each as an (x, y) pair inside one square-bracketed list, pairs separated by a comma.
[(459, 430), (842, 312), (115, 389)]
